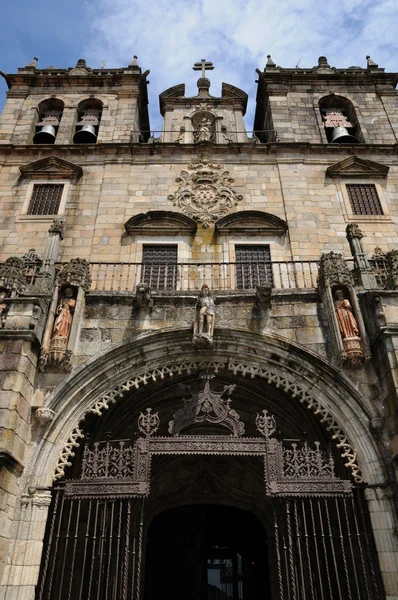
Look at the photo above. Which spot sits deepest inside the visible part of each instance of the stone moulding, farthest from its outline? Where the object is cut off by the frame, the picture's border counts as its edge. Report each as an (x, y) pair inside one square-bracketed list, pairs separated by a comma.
[(283, 382)]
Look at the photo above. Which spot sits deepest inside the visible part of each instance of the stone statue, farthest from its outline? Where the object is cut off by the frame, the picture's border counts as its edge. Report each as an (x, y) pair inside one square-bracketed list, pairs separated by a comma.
[(348, 327), (63, 322), (143, 298), (3, 306), (204, 315), (204, 133)]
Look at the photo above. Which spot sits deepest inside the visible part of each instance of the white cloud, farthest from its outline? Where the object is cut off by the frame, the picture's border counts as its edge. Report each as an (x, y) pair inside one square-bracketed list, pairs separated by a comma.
[(170, 35)]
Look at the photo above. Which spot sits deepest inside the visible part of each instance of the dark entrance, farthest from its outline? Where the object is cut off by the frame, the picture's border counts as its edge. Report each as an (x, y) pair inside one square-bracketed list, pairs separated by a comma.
[(206, 552)]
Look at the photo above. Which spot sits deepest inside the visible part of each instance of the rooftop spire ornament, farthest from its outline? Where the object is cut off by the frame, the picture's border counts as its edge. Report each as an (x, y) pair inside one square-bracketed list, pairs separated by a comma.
[(203, 82)]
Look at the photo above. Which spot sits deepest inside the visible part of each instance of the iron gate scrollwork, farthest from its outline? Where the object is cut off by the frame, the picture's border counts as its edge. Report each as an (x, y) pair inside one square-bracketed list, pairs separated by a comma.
[(322, 543)]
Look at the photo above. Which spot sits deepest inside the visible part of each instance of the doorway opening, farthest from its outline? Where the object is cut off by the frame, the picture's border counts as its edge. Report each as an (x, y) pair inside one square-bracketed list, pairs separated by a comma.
[(206, 552)]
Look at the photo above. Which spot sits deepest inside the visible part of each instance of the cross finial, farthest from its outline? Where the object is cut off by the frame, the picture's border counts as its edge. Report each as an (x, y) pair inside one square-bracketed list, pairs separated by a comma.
[(204, 65)]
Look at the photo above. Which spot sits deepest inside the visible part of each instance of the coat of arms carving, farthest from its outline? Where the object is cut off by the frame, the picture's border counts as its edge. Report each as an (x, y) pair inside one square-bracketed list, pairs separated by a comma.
[(205, 193)]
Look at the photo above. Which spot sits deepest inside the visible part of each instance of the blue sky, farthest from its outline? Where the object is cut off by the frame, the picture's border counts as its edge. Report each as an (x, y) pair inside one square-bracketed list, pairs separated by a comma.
[(168, 36)]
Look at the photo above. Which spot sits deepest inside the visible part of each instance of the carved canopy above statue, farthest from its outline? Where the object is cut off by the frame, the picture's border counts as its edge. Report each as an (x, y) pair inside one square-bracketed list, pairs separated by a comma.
[(251, 222), (161, 222)]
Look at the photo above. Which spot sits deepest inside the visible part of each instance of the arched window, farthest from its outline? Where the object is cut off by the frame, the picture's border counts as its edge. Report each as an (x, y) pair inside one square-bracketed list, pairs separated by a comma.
[(88, 121), (339, 120), (49, 113)]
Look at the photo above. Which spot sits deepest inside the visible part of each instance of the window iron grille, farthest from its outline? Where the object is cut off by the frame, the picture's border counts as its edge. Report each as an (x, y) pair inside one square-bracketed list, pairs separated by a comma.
[(45, 199), (364, 199), (253, 266), (160, 266)]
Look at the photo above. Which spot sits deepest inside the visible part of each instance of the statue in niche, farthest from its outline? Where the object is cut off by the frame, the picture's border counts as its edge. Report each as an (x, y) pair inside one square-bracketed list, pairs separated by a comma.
[(63, 322), (3, 306), (348, 326), (204, 316), (204, 132)]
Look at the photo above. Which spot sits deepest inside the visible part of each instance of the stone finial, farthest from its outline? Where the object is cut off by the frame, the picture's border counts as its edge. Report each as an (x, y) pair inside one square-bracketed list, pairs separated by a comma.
[(57, 227), (333, 270), (12, 275), (353, 231), (33, 63), (371, 63), (44, 415), (81, 64), (134, 62), (76, 273), (323, 62), (270, 62)]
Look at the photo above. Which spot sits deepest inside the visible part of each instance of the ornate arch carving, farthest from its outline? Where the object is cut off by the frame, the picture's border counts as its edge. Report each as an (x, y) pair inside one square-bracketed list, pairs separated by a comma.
[(286, 383)]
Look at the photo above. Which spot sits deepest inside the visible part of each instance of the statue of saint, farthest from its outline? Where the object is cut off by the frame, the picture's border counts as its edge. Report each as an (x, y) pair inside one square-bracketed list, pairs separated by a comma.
[(345, 316), (205, 312), (204, 133), (63, 322)]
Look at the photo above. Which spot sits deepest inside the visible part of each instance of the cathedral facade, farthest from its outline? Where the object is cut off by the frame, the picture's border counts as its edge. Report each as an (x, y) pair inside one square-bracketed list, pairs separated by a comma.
[(198, 337)]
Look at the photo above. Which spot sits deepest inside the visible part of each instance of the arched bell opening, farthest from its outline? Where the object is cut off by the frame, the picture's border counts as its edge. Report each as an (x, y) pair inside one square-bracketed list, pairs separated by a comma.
[(340, 120), (169, 444), (88, 121), (49, 113)]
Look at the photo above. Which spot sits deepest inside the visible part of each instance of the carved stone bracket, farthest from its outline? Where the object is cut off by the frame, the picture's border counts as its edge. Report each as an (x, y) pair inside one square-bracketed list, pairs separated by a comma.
[(57, 227), (143, 300), (44, 415), (205, 193)]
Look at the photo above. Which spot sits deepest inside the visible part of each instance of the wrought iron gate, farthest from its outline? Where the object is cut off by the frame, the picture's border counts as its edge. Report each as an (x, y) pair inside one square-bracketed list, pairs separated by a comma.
[(322, 541)]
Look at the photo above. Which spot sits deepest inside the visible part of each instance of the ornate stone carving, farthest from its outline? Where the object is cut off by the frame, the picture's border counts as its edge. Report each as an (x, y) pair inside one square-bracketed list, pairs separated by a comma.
[(67, 453), (148, 423), (348, 328), (272, 377), (3, 307), (75, 273), (333, 270), (57, 227), (44, 415), (392, 269), (143, 298), (266, 424), (203, 126), (12, 275), (208, 406), (353, 231), (203, 328), (205, 194)]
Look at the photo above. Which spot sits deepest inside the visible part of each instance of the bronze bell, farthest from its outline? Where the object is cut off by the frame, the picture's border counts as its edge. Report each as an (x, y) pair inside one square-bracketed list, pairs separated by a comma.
[(340, 135), (46, 135), (85, 135)]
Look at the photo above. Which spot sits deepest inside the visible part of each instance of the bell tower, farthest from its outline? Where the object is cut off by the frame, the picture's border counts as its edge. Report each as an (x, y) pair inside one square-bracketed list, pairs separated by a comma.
[(326, 105), (78, 105), (203, 118)]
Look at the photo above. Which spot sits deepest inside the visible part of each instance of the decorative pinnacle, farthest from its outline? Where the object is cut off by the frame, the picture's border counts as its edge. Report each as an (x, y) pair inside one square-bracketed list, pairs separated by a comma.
[(33, 63), (270, 62), (371, 63), (134, 62)]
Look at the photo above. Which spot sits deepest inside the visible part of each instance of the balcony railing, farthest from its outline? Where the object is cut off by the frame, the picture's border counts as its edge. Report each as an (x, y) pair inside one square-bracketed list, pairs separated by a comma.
[(123, 277)]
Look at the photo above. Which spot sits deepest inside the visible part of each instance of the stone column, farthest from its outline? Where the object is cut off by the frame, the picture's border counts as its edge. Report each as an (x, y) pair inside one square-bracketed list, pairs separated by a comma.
[(56, 234), (66, 128), (366, 277)]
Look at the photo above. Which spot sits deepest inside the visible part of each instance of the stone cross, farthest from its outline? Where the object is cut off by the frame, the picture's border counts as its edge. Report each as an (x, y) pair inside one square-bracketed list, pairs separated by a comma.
[(204, 65)]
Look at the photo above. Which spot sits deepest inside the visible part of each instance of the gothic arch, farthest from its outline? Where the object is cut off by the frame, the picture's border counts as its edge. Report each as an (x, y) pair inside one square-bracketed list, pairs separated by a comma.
[(304, 376)]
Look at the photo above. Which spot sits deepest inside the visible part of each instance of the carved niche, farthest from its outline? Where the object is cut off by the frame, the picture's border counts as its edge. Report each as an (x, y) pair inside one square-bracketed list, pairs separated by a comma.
[(336, 287), (205, 192)]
